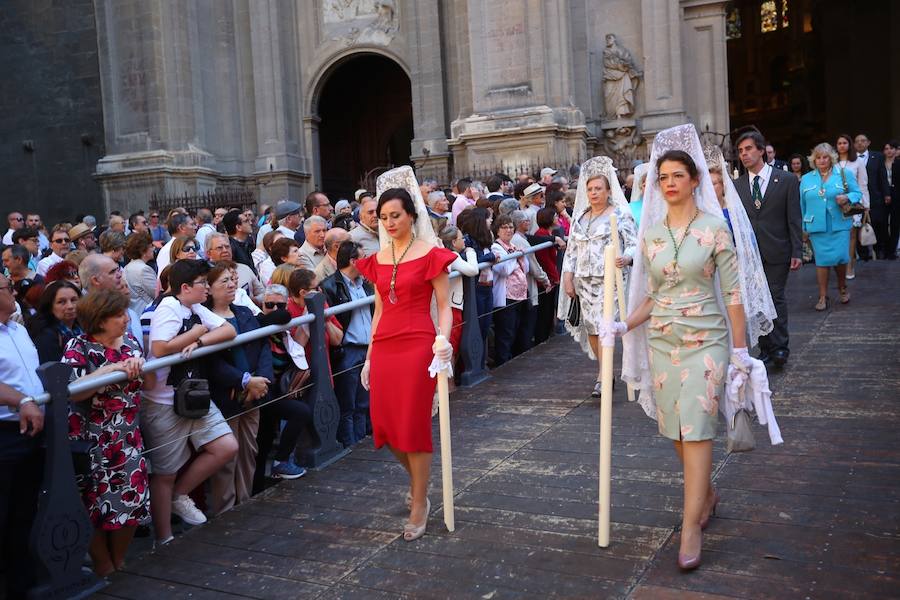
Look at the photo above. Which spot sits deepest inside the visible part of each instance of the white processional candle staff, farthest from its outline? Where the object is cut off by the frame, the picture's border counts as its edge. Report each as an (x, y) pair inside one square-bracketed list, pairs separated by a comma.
[(443, 390), (606, 394), (620, 284)]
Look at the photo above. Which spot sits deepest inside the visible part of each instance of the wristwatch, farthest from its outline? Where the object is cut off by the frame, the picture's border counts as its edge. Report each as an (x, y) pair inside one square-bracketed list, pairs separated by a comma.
[(22, 402), (200, 342)]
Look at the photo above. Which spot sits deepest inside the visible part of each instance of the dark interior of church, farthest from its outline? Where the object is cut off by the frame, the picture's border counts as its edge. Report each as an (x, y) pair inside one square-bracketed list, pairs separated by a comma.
[(366, 127), (804, 71)]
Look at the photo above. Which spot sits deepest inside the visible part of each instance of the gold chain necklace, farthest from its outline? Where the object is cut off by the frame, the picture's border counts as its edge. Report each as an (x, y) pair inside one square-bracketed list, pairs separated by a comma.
[(392, 295), (683, 236)]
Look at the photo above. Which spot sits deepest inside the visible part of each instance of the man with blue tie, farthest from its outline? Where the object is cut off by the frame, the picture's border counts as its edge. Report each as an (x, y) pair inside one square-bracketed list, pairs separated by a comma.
[(772, 201)]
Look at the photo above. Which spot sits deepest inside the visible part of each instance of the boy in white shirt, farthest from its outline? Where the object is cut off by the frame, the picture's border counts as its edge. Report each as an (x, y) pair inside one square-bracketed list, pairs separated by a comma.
[(209, 435)]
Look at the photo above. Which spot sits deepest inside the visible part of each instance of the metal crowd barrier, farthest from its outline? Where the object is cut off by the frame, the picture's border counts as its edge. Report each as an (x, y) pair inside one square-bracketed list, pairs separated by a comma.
[(62, 529)]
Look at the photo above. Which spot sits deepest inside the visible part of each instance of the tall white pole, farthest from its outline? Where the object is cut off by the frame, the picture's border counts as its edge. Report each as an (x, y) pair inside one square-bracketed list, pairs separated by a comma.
[(620, 285), (446, 455), (606, 395)]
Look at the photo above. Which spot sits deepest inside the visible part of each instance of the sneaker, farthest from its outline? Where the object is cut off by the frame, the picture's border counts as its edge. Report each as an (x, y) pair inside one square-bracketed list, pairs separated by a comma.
[(185, 508), (288, 470)]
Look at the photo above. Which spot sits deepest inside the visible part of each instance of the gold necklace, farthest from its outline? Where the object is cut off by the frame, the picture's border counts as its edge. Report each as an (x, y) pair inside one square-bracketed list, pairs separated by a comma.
[(392, 295)]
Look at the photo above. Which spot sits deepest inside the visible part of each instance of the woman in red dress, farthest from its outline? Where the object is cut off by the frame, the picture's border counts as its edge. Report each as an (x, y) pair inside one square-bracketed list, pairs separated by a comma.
[(406, 272)]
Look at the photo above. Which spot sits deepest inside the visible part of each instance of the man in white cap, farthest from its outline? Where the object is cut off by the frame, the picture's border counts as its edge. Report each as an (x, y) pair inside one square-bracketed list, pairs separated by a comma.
[(547, 174), (532, 202)]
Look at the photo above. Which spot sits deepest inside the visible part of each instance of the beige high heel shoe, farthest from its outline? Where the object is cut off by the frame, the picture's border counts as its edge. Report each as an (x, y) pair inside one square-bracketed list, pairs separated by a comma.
[(413, 532)]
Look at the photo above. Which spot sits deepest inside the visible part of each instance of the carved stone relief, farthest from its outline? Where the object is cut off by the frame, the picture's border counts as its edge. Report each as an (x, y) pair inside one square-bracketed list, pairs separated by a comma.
[(622, 145), (360, 21)]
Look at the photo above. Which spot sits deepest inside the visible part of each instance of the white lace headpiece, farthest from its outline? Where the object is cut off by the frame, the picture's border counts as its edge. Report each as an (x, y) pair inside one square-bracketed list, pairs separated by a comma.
[(640, 173), (591, 168), (404, 177), (635, 359)]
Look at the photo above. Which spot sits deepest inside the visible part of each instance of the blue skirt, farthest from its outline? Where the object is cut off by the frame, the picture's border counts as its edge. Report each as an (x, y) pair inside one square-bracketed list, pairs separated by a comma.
[(831, 248)]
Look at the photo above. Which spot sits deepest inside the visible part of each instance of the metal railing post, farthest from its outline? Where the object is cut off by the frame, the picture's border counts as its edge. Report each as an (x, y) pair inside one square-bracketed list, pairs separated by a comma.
[(471, 343), (325, 410), (62, 529)]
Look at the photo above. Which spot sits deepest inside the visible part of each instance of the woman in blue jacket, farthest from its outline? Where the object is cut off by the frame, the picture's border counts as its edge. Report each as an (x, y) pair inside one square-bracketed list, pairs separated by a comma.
[(239, 380), (821, 192)]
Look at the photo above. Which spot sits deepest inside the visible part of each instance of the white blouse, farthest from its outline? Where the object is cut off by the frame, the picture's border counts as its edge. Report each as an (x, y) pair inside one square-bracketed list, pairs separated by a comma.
[(858, 168)]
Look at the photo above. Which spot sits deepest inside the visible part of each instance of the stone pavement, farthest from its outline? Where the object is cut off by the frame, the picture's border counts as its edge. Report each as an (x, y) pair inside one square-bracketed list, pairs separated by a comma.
[(818, 517)]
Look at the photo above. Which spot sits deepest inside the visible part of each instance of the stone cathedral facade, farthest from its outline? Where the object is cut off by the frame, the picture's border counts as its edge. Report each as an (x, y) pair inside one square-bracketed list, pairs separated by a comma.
[(204, 94)]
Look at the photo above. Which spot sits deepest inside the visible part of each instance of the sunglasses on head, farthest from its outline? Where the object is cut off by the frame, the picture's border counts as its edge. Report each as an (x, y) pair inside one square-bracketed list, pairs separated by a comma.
[(271, 305)]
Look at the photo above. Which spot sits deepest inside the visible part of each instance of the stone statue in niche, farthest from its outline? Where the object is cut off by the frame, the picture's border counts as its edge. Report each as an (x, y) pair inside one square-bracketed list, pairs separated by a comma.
[(360, 21), (620, 78)]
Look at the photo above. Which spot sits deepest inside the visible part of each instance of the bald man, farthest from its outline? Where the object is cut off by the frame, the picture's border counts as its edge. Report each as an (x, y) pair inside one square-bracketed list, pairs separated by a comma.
[(333, 239)]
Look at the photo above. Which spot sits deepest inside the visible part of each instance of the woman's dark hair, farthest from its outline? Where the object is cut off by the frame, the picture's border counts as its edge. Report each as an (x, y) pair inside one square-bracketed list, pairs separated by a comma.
[(269, 239), (98, 306), (43, 316), (895, 144), (519, 189), (473, 223), (500, 222), (803, 162), (137, 244), (400, 194), (851, 151), (213, 275), (553, 197), (281, 249), (682, 157), (545, 216)]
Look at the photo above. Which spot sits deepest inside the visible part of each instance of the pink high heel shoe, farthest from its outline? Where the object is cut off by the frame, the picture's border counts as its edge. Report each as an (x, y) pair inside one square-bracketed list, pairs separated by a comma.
[(687, 562)]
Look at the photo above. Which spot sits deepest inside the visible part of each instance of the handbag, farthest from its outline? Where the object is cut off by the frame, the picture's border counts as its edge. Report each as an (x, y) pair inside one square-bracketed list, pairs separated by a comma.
[(740, 435), (574, 316), (867, 235), (849, 208), (192, 397), (292, 381)]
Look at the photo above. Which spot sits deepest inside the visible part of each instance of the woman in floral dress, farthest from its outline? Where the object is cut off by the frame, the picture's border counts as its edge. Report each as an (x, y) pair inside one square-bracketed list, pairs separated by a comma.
[(115, 490), (688, 336)]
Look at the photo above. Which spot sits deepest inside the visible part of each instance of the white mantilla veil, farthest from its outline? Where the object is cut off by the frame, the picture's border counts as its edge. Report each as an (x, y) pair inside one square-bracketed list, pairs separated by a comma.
[(635, 359), (598, 165), (404, 177), (640, 173), (758, 305)]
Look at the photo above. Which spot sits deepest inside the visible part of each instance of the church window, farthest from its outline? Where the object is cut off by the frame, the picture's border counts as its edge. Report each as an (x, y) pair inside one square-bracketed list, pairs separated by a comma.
[(768, 16)]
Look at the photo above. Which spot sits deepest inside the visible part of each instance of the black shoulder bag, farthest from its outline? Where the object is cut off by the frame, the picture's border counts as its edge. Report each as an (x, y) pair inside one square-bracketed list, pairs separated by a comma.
[(192, 397)]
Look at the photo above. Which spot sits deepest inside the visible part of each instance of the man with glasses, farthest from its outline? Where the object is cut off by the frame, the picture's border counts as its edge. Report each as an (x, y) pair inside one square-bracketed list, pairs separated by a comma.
[(16, 221), (158, 231), (21, 457), (60, 244), (82, 235), (318, 205), (137, 223), (217, 217), (180, 325), (341, 287)]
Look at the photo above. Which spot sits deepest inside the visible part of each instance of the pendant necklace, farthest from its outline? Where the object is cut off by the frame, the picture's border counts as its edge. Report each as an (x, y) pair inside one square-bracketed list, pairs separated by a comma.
[(591, 218), (683, 237), (392, 295), (822, 186)]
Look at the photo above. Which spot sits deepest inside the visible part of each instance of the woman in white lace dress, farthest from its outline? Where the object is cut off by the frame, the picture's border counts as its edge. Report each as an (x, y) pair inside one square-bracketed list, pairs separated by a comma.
[(598, 197)]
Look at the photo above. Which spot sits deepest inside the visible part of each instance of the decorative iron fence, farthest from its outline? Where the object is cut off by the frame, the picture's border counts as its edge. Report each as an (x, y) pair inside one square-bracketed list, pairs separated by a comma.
[(225, 198)]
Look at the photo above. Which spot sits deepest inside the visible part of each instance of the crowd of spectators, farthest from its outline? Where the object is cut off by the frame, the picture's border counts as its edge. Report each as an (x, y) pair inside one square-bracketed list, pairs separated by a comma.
[(107, 297)]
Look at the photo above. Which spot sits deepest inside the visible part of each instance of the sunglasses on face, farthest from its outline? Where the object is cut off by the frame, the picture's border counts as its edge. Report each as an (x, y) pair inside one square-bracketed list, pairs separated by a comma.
[(61, 241), (271, 305), (189, 249)]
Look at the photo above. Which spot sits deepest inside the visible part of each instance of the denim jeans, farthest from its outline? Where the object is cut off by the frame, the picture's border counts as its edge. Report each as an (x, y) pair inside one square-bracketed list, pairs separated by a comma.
[(352, 397)]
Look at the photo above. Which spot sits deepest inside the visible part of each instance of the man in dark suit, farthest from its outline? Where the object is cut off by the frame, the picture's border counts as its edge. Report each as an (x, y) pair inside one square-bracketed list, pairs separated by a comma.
[(775, 163), (772, 201), (893, 147), (879, 195)]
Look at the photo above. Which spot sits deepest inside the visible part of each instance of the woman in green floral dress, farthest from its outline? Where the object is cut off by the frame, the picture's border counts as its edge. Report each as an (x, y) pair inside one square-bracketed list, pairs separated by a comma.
[(687, 333)]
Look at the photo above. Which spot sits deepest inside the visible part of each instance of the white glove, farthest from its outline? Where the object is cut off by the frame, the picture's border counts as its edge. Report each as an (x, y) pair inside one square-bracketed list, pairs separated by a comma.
[(739, 368), (608, 331), (364, 376), (442, 349)]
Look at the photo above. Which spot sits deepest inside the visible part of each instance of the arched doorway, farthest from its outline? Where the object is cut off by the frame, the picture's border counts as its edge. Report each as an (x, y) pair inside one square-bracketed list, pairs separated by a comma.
[(366, 122)]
